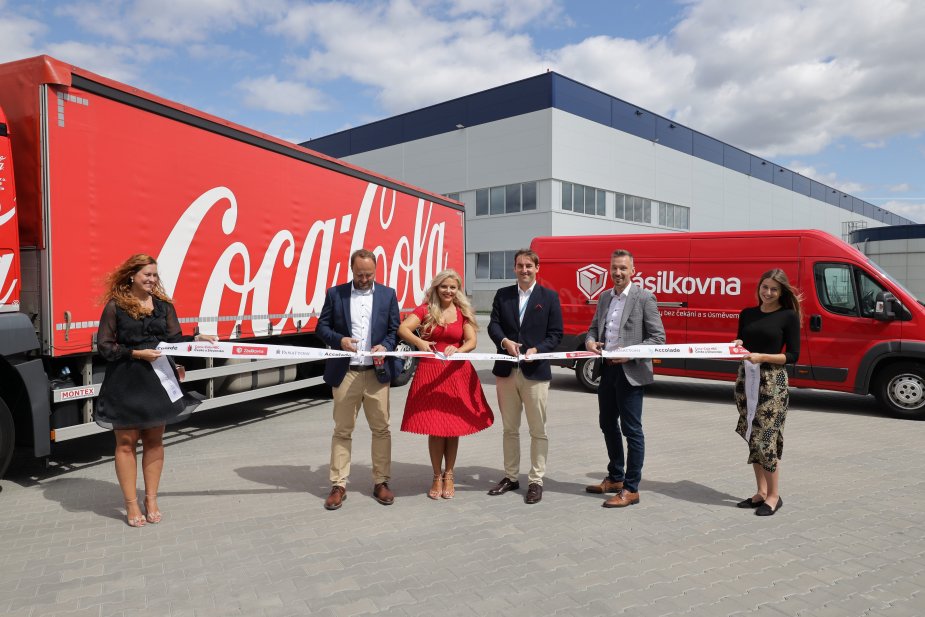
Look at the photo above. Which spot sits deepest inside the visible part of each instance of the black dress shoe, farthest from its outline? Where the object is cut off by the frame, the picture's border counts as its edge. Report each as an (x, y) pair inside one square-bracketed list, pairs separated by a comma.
[(504, 486), (534, 493), (766, 510), (748, 503)]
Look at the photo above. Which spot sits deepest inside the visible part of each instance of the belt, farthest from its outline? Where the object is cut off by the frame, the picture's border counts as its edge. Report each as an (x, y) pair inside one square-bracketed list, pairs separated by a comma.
[(361, 367)]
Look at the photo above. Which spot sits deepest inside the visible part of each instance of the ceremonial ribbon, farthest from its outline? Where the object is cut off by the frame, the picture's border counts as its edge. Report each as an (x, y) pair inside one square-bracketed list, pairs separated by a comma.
[(279, 352)]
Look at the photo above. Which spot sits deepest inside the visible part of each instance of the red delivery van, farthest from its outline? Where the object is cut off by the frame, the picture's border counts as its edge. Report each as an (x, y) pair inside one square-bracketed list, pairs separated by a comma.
[(862, 332)]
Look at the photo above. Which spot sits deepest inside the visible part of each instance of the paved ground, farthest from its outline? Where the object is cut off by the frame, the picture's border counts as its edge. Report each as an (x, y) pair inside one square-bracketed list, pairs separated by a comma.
[(245, 532)]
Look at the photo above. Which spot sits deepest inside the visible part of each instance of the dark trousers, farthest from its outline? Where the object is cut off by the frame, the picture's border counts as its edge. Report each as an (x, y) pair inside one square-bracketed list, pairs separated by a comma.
[(620, 406)]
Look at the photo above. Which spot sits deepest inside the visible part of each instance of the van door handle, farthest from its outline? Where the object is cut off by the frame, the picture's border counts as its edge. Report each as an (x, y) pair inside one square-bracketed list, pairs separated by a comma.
[(815, 323)]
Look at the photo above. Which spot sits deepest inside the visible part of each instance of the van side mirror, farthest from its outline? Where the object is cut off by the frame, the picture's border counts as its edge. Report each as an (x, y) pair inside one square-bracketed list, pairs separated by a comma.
[(886, 307)]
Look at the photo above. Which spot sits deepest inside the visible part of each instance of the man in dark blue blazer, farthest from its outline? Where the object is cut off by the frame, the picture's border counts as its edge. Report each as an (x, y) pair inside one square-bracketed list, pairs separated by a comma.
[(525, 319), (360, 316)]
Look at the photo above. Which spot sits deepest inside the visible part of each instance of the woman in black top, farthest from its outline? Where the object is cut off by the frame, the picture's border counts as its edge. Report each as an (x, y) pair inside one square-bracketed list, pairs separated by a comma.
[(771, 332), (132, 401)]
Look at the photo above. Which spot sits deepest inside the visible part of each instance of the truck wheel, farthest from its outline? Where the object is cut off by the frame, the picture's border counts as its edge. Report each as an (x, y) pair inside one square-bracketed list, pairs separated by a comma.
[(7, 437), (408, 366), (901, 389), (583, 370)]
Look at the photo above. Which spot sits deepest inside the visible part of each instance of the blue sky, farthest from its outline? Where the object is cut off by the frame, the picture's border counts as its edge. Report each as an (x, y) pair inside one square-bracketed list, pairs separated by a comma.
[(835, 85)]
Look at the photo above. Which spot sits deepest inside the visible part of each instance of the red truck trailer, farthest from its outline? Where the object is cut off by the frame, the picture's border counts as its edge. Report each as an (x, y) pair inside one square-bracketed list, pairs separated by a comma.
[(862, 331), (248, 230)]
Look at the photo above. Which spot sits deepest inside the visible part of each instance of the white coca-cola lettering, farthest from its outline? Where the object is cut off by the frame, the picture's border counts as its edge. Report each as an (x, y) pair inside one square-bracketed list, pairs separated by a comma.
[(413, 261), (6, 282)]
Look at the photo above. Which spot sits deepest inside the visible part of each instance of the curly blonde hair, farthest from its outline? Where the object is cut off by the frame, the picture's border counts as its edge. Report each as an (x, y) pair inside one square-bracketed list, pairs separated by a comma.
[(434, 316), (118, 286)]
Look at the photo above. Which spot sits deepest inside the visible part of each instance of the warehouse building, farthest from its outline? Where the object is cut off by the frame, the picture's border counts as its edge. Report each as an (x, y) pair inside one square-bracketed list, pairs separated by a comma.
[(551, 156)]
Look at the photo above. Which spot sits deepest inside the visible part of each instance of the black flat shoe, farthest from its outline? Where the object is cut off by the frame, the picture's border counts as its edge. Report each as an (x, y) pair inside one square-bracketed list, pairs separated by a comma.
[(765, 510), (748, 503)]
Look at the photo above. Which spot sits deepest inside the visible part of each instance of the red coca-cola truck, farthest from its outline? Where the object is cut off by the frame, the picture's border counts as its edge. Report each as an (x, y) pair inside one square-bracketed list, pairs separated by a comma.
[(862, 331), (248, 230)]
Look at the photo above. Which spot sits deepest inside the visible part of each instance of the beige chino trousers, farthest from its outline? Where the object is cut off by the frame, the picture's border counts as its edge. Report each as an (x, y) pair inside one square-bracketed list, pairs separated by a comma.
[(516, 394), (361, 388)]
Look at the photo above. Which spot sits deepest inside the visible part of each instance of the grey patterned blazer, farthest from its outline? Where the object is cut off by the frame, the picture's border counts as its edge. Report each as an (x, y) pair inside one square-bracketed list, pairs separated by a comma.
[(640, 325)]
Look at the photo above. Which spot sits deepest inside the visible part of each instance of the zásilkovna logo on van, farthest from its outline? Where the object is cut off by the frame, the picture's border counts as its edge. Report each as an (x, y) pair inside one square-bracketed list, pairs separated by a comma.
[(667, 282), (592, 279)]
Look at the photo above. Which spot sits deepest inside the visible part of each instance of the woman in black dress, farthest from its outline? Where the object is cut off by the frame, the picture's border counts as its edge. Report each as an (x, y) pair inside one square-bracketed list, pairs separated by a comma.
[(133, 402), (771, 332)]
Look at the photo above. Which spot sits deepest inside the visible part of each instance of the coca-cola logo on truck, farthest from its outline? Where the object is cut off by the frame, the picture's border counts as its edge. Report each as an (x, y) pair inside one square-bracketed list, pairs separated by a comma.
[(8, 241), (409, 263)]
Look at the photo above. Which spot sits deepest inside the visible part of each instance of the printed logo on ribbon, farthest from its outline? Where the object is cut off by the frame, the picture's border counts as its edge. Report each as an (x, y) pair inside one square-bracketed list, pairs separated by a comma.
[(591, 280), (249, 350)]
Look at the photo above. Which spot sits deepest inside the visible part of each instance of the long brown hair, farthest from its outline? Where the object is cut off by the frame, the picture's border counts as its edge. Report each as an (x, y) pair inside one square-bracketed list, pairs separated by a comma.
[(434, 314), (790, 297), (118, 286)]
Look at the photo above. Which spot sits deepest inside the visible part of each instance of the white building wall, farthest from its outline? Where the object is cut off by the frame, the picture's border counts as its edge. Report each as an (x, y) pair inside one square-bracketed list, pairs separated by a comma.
[(903, 259), (550, 146)]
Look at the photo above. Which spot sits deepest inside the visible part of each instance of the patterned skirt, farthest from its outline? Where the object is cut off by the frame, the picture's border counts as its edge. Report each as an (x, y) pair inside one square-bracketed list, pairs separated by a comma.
[(766, 443)]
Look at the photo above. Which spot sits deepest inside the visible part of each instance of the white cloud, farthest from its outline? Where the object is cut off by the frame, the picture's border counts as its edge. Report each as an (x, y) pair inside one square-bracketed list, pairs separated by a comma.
[(168, 21), (510, 14), (409, 57), (912, 209), (829, 178), (281, 96), (18, 35), (118, 62), (899, 188), (775, 77)]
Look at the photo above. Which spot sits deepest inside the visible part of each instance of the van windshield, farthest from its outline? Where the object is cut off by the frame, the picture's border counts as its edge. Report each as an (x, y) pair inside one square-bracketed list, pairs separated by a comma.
[(877, 267)]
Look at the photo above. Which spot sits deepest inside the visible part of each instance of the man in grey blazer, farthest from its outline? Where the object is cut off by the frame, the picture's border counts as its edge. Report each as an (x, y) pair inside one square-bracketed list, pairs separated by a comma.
[(626, 315)]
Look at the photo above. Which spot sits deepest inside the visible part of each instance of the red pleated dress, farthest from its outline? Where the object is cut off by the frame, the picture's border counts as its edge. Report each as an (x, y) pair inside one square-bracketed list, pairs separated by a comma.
[(446, 397)]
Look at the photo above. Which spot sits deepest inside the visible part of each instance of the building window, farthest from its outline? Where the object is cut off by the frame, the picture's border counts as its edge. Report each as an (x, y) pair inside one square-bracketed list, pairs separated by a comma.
[(453, 196), (481, 202), (512, 198), (508, 199), (674, 216), (637, 209), (528, 193), (497, 200), (496, 265), (584, 199)]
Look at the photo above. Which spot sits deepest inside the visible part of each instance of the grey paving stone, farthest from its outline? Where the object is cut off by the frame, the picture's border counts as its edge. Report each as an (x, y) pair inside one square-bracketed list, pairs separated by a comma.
[(245, 533)]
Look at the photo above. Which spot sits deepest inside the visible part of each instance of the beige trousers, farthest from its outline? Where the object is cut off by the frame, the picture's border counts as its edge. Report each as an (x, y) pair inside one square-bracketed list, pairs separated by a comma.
[(361, 387), (515, 393)]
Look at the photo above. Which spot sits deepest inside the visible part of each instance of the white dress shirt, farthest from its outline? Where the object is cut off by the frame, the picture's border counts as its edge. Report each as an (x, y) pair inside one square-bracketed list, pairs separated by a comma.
[(361, 311), (612, 340)]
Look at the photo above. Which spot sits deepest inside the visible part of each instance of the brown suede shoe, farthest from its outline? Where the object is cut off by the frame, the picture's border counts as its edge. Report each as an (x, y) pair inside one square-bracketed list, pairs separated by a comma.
[(336, 498), (622, 499), (607, 486), (383, 494)]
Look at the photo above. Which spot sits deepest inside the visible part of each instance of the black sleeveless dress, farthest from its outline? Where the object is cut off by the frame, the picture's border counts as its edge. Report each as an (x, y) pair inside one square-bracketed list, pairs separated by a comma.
[(132, 396)]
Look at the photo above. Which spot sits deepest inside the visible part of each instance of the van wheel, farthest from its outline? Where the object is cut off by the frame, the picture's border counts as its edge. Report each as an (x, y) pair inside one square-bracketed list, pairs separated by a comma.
[(408, 366), (901, 389), (7, 437), (583, 371)]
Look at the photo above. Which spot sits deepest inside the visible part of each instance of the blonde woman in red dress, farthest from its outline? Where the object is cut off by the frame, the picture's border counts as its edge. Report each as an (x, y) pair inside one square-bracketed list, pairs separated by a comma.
[(446, 400)]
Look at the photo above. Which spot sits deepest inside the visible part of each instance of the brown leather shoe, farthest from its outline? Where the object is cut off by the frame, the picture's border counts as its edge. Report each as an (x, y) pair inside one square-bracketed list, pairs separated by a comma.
[(622, 499), (383, 494), (336, 498), (504, 486), (607, 486), (534, 493)]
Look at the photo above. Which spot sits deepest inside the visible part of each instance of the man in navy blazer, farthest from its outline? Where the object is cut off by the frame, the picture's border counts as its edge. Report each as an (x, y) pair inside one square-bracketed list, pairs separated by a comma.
[(525, 319), (360, 316)]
